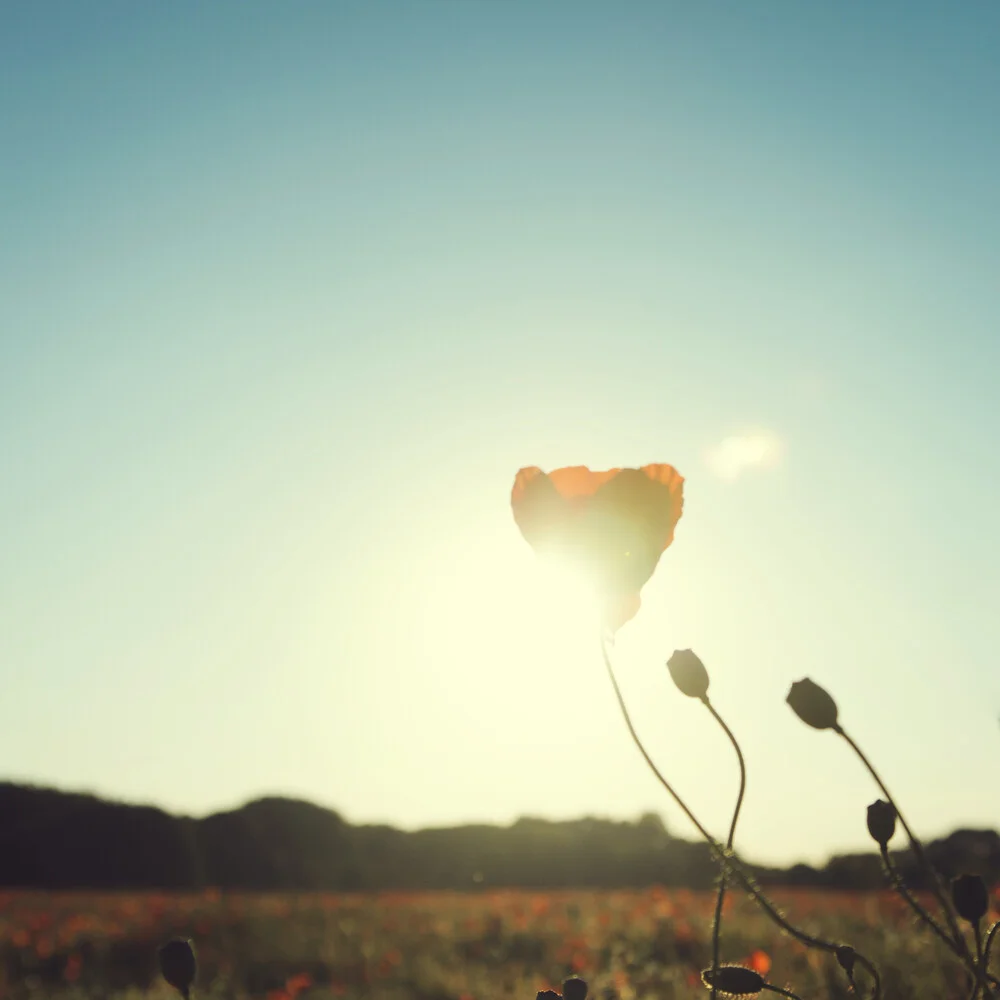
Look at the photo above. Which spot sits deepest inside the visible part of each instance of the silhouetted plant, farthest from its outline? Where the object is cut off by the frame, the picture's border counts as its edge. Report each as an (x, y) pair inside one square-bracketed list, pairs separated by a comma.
[(968, 898), (616, 524), (178, 965), (573, 988), (691, 678)]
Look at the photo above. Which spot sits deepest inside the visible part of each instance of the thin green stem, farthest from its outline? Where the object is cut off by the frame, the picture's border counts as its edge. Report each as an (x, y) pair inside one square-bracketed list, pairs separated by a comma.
[(726, 858), (976, 985), (981, 976), (990, 938), (916, 845), (900, 886), (959, 943), (717, 920)]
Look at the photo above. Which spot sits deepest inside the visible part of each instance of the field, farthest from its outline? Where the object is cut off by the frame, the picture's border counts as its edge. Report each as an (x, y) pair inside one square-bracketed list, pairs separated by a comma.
[(447, 946)]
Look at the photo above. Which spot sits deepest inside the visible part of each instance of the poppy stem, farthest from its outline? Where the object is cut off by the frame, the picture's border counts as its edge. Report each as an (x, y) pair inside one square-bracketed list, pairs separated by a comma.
[(726, 859), (717, 920), (918, 852), (978, 927), (896, 880), (989, 944)]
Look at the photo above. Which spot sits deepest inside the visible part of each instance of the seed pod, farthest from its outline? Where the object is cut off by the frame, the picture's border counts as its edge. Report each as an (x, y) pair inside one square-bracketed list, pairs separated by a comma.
[(735, 980), (688, 673), (178, 965), (574, 988), (881, 821), (970, 896), (812, 705), (846, 956)]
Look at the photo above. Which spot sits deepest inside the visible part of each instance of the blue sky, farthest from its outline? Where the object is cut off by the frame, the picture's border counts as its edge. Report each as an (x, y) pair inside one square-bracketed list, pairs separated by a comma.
[(288, 293)]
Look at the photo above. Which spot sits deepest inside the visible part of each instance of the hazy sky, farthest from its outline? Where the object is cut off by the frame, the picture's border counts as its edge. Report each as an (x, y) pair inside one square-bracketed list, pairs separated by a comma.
[(289, 292)]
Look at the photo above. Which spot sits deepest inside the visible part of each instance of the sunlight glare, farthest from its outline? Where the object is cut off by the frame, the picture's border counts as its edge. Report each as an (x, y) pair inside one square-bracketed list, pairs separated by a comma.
[(567, 594)]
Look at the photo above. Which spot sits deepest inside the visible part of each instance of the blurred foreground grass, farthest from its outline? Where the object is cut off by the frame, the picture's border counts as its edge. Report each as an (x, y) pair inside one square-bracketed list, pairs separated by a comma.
[(448, 946)]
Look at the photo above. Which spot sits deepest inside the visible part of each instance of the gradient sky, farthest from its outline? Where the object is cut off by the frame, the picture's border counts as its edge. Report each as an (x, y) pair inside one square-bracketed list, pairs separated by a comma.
[(289, 292)]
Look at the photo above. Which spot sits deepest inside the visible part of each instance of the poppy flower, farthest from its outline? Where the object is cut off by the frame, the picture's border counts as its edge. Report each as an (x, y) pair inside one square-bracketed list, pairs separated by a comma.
[(612, 525)]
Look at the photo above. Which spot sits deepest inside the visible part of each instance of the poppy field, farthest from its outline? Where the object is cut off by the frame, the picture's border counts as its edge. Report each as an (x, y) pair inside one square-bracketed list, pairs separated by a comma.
[(451, 946)]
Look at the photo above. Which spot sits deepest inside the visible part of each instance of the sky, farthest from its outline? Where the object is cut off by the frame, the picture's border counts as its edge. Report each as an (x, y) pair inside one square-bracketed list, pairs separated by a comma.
[(289, 293)]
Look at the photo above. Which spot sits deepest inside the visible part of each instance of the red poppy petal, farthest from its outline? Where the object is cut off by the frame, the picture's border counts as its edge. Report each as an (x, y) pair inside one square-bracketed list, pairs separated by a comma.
[(616, 522), (650, 499), (670, 478), (539, 511), (578, 481)]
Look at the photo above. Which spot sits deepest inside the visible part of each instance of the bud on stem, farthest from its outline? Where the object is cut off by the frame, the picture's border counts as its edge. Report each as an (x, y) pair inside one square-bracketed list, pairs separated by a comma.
[(688, 673), (813, 705), (735, 980), (178, 965)]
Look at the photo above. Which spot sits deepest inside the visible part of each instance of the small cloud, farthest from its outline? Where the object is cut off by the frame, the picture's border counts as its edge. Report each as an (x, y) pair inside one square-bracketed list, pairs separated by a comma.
[(735, 454)]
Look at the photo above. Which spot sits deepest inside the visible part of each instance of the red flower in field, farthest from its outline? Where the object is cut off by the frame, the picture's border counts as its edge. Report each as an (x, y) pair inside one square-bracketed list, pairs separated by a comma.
[(613, 525), (71, 971), (759, 961), (296, 984)]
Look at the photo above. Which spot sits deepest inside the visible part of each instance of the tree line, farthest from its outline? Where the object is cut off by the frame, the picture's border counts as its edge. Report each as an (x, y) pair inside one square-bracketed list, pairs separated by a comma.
[(57, 840)]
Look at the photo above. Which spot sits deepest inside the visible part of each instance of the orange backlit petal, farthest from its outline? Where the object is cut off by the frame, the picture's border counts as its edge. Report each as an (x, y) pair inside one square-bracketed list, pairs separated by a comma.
[(578, 481), (669, 477), (617, 522), (540, 512)]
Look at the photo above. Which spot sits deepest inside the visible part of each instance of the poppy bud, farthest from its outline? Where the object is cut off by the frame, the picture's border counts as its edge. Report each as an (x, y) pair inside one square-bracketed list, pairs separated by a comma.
[(735, 980), (813, 705), (846, 956), (575, 988), (547, 995), (688, 673), (177, 963), (881, 821), (971, 899)]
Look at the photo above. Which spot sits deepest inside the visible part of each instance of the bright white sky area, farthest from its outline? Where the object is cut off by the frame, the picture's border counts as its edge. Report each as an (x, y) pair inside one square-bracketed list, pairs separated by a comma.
[(289, 292)]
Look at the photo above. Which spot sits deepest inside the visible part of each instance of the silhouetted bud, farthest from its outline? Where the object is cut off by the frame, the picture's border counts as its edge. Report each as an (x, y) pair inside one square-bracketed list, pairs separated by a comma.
[(575, 988), (547, 995), (970, 896), (735, 980), (177, 963), (813, 705), (846, 956), (881, 821), (688, 673)]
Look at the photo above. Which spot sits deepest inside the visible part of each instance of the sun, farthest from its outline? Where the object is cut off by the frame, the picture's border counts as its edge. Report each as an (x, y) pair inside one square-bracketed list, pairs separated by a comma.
[(567, 594)]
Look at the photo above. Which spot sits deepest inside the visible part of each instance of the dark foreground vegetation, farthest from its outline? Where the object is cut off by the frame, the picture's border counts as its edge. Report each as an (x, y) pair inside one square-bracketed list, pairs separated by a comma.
[(628, 944)]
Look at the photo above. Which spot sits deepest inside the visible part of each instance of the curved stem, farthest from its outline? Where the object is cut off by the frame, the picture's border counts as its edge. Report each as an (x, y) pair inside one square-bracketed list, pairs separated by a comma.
[(957, 939), (726, 858), (979, 961), (717, 920), (716, 849), (900, 886), (915, 844), (989, 944)]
